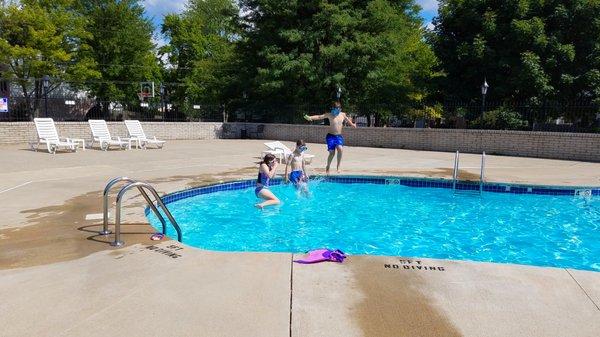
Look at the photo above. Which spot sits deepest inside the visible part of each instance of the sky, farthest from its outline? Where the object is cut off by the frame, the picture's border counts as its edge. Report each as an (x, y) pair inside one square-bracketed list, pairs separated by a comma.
[(157, 9), (429, 10)]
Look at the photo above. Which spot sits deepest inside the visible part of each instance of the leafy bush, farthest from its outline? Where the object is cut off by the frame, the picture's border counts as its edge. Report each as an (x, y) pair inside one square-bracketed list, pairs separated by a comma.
[(500, 119), (427, 112)]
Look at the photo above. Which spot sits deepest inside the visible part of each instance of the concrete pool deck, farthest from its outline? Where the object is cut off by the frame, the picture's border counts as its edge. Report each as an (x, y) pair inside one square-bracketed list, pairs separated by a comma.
[(58, 278)]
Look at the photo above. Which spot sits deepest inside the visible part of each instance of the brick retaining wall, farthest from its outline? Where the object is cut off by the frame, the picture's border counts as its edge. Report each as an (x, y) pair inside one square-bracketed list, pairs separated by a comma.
[(556, 145), (24, 132)]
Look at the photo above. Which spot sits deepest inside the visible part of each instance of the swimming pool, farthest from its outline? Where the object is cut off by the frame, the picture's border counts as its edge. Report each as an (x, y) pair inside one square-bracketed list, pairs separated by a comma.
[(398, 216)]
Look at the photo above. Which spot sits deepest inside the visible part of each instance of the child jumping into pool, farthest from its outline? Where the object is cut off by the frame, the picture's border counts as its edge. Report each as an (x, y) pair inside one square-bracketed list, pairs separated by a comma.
[(334, 139), (298, 176), (266, 172)]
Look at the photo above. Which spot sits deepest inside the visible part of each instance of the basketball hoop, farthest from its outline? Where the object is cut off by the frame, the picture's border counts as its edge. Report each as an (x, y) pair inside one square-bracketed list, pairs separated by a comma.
[(143, 95), (147, 89)]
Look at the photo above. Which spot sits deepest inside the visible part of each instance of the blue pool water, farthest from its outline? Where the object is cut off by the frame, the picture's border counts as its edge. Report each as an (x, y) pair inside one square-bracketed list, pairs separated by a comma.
[(396, 220)]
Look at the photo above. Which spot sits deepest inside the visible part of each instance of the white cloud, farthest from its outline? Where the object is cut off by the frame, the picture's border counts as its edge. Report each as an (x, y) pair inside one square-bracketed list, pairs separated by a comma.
[(428, 12), (158, 8), (428, 5)]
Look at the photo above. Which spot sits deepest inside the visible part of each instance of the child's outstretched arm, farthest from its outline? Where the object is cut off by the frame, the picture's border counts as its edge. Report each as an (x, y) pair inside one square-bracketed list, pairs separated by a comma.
[(349, 120), (315, 117)]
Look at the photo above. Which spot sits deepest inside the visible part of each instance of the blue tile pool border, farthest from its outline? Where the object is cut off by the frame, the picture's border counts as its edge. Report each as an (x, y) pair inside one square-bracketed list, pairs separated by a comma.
[(493, 187)]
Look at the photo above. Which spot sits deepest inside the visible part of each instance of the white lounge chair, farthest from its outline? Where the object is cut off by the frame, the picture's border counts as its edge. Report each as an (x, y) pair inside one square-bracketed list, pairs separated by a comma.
[(101, 135), (134, 127), (282, 152), (46, 133)]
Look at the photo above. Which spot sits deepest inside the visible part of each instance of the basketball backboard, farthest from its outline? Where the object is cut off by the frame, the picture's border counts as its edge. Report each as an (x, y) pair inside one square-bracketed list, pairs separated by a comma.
[(146, 90)]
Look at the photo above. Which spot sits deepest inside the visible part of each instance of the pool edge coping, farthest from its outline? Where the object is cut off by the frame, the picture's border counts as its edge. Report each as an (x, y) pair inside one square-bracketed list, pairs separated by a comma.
[(463, 185)]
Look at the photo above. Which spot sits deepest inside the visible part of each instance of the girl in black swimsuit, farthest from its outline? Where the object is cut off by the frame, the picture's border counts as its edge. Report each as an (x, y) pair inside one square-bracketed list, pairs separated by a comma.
[(266, 172)]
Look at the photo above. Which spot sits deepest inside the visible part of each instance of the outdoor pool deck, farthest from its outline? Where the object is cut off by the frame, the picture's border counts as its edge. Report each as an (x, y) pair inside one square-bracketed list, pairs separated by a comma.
[(59, 278)]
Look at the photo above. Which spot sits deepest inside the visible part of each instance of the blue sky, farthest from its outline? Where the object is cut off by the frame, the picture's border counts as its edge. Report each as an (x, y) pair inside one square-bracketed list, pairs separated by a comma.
[(429, 9), (156, 9)]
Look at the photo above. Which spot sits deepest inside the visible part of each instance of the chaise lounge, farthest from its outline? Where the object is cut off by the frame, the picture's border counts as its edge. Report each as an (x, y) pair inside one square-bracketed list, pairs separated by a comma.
[(47, 134), (282, 152), (101, 134), (136, 132)]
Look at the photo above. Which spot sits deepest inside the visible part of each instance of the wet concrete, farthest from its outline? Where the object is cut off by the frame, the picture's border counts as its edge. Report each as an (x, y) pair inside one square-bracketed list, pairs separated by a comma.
[(409, 311), (61, 233)]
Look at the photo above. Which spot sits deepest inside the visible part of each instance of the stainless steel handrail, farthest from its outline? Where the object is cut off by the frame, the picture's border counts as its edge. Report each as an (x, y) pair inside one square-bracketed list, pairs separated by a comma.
[(139, 185), (455, 171), (482, 173), (110, 184)]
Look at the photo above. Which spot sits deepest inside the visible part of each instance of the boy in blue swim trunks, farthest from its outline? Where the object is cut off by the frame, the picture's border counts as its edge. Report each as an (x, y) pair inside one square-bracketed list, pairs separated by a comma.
[(298, 176), (334, 139)]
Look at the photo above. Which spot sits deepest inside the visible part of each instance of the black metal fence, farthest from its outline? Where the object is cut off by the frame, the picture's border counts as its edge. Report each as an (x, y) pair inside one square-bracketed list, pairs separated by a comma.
[(546, 116), (82, 109)]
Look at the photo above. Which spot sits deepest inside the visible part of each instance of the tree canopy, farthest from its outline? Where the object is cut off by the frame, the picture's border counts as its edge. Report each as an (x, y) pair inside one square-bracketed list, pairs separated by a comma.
[(265, 56), (120, 40), (298, 52), (43, 38), (201, 51), (529, 50)]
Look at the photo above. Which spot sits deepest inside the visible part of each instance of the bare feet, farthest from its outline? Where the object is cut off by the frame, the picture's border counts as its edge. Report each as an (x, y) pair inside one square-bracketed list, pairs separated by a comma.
[(259, 206), (327, 170)]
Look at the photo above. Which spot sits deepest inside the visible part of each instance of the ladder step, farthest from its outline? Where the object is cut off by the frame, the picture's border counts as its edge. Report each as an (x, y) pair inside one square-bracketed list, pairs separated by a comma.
[(457, 191)]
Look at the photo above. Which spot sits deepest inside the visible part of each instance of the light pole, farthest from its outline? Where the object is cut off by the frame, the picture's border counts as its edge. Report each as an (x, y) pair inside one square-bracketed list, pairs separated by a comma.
[(338, 93), (161, 90), (46, 85), (243, 130), (484, 89), (245, 96)]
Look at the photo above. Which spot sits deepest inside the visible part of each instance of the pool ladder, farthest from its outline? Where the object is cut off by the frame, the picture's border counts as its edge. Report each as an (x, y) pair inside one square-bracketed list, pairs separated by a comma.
[(142, 187), (456, 169)]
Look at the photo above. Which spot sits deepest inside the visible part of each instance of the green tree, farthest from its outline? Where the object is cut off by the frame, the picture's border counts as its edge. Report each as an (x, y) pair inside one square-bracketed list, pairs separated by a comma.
[(121, 45), (39, 38), (299, 52), (201, 53), (529, 50)]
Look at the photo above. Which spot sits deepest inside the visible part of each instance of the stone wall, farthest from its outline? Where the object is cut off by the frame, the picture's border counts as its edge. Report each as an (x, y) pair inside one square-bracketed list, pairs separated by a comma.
[(24, 132), (556, 145)]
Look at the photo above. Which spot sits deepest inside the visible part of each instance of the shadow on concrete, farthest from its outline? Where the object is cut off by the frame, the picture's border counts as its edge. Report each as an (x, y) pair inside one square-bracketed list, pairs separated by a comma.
[(126, 231)]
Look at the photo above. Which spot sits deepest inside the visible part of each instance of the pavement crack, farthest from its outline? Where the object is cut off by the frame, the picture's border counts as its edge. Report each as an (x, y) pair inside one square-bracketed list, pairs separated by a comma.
[(583, 289), (291, 288)]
